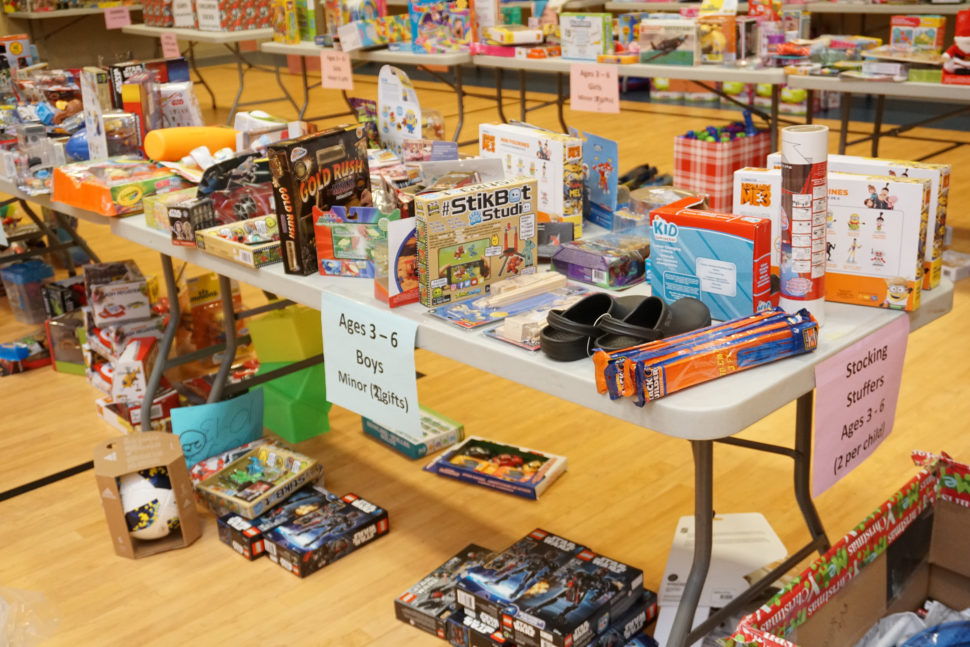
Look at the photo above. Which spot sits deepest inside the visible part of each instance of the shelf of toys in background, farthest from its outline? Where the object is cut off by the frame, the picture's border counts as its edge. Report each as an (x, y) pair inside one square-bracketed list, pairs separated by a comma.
[(50, 9)]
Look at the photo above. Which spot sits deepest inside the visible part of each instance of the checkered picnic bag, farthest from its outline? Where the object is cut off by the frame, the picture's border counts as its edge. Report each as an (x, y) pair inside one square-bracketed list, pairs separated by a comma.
[(708, 167)]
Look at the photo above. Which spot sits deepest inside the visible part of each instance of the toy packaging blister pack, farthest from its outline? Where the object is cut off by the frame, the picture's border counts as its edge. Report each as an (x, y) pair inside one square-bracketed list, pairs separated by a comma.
[(352, 241), (437, 432), (470, 237), (311, 174), (430, 603), (310, 542)]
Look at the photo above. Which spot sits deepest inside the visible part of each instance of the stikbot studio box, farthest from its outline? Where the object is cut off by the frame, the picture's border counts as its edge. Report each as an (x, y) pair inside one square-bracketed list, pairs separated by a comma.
[(471, 237), (245, 536), (486, 590), (310, 542), (311, 174), (431, 602)]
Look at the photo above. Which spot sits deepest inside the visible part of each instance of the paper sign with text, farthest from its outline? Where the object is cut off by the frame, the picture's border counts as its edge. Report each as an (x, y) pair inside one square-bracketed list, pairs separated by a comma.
[(335, 70), (593, 87), (855, 402), (209, 429), (117, 17), (369, 363), (170, 46)]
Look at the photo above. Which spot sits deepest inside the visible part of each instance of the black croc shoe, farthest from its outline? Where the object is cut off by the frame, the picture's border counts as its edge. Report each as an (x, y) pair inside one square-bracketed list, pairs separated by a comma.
[(652, 320), (568, 333)]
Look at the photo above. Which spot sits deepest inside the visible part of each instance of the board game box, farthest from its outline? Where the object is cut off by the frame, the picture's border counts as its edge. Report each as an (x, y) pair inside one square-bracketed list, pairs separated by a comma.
[(431, 602), (437, 432), (310, 542)]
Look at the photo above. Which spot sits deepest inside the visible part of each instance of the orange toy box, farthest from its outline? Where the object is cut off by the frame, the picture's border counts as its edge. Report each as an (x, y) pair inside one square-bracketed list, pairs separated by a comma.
[(111, 187)]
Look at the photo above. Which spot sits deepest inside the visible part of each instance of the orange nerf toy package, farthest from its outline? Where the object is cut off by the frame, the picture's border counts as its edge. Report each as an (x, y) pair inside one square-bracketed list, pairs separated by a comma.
[(111, 187)]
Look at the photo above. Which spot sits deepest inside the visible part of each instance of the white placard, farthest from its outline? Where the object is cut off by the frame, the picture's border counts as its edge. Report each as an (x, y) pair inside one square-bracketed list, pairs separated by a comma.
[(369, 363)]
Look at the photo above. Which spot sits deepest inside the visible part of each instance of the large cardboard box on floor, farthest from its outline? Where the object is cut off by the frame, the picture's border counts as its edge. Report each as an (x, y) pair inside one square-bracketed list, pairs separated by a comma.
[(129, 454), (913, 547)]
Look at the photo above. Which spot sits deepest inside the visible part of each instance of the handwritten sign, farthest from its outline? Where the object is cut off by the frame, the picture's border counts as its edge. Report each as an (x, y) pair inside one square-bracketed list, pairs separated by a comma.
[(335, 70), (117, 17), (855, 402), (170, 45), (593, 87), (209, 429), (370, 363)]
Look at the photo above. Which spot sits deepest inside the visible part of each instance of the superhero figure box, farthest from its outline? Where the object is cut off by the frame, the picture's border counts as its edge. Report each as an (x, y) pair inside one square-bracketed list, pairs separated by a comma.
[(311, 174), (309, 542), (431, 602)]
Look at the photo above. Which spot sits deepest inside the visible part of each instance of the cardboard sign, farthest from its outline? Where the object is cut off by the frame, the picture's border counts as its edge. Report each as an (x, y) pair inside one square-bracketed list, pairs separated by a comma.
[(370, 363), (209, 429), (170, 46), (594, 87), (336, 73), (855, 402), (117, 17)]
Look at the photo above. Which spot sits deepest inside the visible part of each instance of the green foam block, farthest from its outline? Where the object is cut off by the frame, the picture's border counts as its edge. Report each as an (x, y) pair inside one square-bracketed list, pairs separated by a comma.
[(294, 420)]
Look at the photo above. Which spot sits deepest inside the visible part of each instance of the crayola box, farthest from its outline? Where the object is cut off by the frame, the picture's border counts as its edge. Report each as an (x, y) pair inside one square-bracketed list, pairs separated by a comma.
[(470, 237), (939, 177), (555, 161), (724, 260)]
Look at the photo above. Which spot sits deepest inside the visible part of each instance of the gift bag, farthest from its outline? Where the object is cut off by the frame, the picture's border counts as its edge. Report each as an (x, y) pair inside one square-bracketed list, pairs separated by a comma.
[(708, 167)]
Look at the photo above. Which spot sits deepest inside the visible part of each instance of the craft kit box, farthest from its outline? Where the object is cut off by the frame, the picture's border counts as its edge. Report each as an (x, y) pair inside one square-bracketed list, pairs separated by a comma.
[(470, 237), (584, 36), (116, 292), (312, 541), (431, 602), (437, 432), (352, 241), (253, 242), (555, 161), (723, 260), (910, 549), (939, 177), (311, 174), (917, 33), (669, 41)]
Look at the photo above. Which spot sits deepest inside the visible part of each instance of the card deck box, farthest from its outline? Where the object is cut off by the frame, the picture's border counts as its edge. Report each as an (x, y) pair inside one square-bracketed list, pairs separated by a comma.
[(430, 603), (311, 174), (312, 541), (116, 292), (669, 41), (437, 432)]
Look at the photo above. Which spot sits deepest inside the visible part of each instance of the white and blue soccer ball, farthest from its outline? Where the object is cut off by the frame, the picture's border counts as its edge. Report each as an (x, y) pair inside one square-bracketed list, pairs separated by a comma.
[(149, 503)]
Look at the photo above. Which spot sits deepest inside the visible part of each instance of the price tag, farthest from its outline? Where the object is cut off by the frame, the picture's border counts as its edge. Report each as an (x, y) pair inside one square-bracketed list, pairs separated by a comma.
[(855, 402), (170, 45), (369, 364), (594, 87), (117, 17), (335, 70)]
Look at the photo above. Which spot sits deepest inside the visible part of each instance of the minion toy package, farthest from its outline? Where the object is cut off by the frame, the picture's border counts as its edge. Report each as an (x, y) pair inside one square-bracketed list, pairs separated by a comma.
[(312, 174), (471, 237)]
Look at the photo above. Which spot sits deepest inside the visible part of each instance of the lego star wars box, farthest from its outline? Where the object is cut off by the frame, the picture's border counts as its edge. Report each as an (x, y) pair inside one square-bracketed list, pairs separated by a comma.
[(311, 174), (471, 237), (430, 603), (245, 536), (310, 542)]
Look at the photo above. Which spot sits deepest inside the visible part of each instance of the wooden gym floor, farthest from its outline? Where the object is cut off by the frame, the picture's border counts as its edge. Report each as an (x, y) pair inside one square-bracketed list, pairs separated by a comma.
[(625, 489)]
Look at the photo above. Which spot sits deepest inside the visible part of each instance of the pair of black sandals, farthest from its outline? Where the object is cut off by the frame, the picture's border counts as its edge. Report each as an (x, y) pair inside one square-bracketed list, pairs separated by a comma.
[(607, 323)]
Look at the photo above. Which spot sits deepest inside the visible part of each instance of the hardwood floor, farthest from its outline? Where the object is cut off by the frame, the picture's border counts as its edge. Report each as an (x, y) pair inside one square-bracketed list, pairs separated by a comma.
[(625, 489)]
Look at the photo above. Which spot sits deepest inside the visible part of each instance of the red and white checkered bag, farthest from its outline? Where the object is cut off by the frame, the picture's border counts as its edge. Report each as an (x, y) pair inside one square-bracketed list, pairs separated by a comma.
[(708, 167)]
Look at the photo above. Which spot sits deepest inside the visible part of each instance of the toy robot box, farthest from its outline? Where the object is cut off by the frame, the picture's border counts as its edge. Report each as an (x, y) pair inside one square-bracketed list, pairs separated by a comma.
[(669, 41), (311, 174), (309, 542), (471, 237), (245, 536), (555, 161), (431, 602)]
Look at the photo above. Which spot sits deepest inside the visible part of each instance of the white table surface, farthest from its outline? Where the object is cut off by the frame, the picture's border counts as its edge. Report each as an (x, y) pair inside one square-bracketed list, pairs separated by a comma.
[(376, 55), (199, 36), (715, 409), (44, 200), (63, 13), (905, 89)]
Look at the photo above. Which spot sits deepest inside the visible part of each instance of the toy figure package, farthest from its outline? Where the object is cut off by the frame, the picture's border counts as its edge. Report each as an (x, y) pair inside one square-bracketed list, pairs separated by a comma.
[(431, 602), (311, 174), (470, 237), (399, 113), (311, 541)]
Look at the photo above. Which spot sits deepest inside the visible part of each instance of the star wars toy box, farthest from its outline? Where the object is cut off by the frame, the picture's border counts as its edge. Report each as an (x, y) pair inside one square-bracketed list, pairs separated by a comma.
[(911, 549), (584, 36), (245, 536), (129, 455), (257, 480), (724, 260), (431, 602), (437, 432), (352, 241), (321, 537), (555, 161), (233, 15), (669, 41), (515, 470), (116, 292), (312, 174), (470, 237), (939, 177), (187, 217)]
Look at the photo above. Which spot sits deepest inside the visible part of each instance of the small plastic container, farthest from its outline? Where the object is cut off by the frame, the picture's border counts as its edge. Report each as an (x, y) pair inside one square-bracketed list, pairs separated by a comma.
[(22, 282)]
